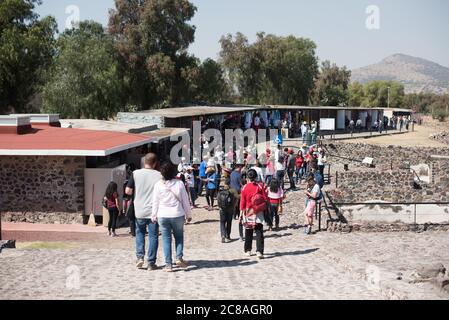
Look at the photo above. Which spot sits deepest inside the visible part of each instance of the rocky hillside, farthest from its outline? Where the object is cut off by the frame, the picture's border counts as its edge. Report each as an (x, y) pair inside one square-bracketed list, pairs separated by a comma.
[(416, 74)]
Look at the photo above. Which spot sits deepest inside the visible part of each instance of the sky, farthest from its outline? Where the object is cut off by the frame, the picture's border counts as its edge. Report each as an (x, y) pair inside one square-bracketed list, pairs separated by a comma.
[(339, 27)]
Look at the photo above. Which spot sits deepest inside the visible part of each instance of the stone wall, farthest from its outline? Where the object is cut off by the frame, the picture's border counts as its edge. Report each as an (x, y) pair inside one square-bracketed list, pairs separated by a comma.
[(359, 187), (440, 173), (385, 157), (141, 118), (42, 189)]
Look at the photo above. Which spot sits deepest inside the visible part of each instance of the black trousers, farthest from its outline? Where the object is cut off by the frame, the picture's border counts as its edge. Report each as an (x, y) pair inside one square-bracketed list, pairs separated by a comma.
[(321, 168), (260, 240), (210, 196), (132, 225), (290, 173), (226, 223), (113, 215)]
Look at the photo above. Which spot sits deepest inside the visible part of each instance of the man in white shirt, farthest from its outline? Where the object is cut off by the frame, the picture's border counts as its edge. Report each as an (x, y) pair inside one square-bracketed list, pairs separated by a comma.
[(304, 132), (141, 184)]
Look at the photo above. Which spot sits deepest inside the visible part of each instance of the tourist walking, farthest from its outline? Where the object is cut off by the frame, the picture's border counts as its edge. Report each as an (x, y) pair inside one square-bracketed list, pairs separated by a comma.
[(304, 132), (299, 164), (253, 205), (171, 209), (322, 160), (280, 170), (141, 185), (291, 168), (314, 134), (236, 187), (211, 187), (351, 126), (358, 125), (128, 210), (112, 204), (190, 184), (275, 196), (269, 170), (203, 175), (226, 204), (313, 194)]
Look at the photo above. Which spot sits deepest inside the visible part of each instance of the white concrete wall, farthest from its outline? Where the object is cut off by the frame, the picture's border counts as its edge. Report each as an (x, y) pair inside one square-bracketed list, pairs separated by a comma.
[(95, 183), (397, 213)]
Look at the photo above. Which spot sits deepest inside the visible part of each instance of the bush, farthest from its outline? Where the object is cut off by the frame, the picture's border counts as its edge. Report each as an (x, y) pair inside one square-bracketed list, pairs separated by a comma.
[(439, 111)]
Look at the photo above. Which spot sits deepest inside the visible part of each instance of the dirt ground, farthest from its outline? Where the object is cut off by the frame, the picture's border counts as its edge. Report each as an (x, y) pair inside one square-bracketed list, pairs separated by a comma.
[(419, 138)]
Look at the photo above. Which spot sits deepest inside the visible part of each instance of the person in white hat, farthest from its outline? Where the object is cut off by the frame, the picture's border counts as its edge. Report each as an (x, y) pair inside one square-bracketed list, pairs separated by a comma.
[(182, 166)]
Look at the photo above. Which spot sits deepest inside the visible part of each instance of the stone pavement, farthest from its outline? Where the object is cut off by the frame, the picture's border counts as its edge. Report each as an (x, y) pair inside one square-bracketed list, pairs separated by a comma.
[(322, 266)]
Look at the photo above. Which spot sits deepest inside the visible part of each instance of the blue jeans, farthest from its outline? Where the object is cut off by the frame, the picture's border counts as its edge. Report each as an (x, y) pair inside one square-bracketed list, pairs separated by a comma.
[(175, 225), (153, 239), (268, 179), (193, 195)]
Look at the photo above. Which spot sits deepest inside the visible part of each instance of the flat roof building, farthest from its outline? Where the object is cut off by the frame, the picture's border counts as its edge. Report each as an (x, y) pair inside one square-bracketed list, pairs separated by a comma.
[(53, 174)]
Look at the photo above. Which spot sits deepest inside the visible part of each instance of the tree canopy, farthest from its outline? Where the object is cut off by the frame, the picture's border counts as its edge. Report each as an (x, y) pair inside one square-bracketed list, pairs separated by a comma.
[(26, 52), (85, 80), (273, 70), (331, 87), (377, 94), (152, 37)]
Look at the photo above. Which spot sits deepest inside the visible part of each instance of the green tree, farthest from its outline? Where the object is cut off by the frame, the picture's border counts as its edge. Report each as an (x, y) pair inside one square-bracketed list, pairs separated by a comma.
[(376, 94), (26, 51), (331, 87), (356, 94), (273, 70), (440, 110), (211, 83), (85, 80), (422, 102), (152, 37)]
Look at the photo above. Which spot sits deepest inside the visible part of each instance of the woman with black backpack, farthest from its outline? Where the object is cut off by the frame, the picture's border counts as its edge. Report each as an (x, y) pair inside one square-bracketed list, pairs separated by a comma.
[(226, 203), (253, 205)]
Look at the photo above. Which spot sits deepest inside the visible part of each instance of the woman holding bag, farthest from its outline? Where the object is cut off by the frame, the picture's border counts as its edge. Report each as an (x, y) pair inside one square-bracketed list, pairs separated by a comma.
[(253, 205)]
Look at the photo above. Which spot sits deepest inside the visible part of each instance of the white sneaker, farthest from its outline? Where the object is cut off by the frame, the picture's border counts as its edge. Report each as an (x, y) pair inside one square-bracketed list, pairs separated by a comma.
[(140, 263), (248, 254), (260, 255)]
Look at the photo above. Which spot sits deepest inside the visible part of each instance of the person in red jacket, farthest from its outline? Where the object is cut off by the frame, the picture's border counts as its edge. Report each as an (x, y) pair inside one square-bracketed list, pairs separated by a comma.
[(299, 167), (252, 193)]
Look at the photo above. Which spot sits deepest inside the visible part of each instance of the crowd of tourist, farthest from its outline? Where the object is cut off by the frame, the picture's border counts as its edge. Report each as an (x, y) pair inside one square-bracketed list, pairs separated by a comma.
[(382, 124), (160, 198)]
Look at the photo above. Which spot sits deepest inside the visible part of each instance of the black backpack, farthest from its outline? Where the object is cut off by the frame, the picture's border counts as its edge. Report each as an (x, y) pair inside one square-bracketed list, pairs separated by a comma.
[(225, 199)]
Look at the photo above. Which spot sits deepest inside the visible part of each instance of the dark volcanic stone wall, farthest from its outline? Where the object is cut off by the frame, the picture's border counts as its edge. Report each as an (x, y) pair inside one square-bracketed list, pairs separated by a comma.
[(385, 157), (42, 189)]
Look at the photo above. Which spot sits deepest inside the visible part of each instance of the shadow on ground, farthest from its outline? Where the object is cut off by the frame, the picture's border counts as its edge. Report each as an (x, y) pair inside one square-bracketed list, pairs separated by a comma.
[(293, 253), (215, 264)]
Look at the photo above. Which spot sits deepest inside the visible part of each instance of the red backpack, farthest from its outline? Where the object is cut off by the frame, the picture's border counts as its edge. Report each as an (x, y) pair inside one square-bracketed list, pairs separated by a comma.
[(258, 203)]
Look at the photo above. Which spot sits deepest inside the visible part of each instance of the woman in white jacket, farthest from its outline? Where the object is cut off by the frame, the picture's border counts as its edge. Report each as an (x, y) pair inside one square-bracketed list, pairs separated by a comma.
[(171, 209)]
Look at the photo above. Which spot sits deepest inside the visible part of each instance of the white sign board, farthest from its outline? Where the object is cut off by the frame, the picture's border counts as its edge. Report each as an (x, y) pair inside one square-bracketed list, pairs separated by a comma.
[(327, 124)]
